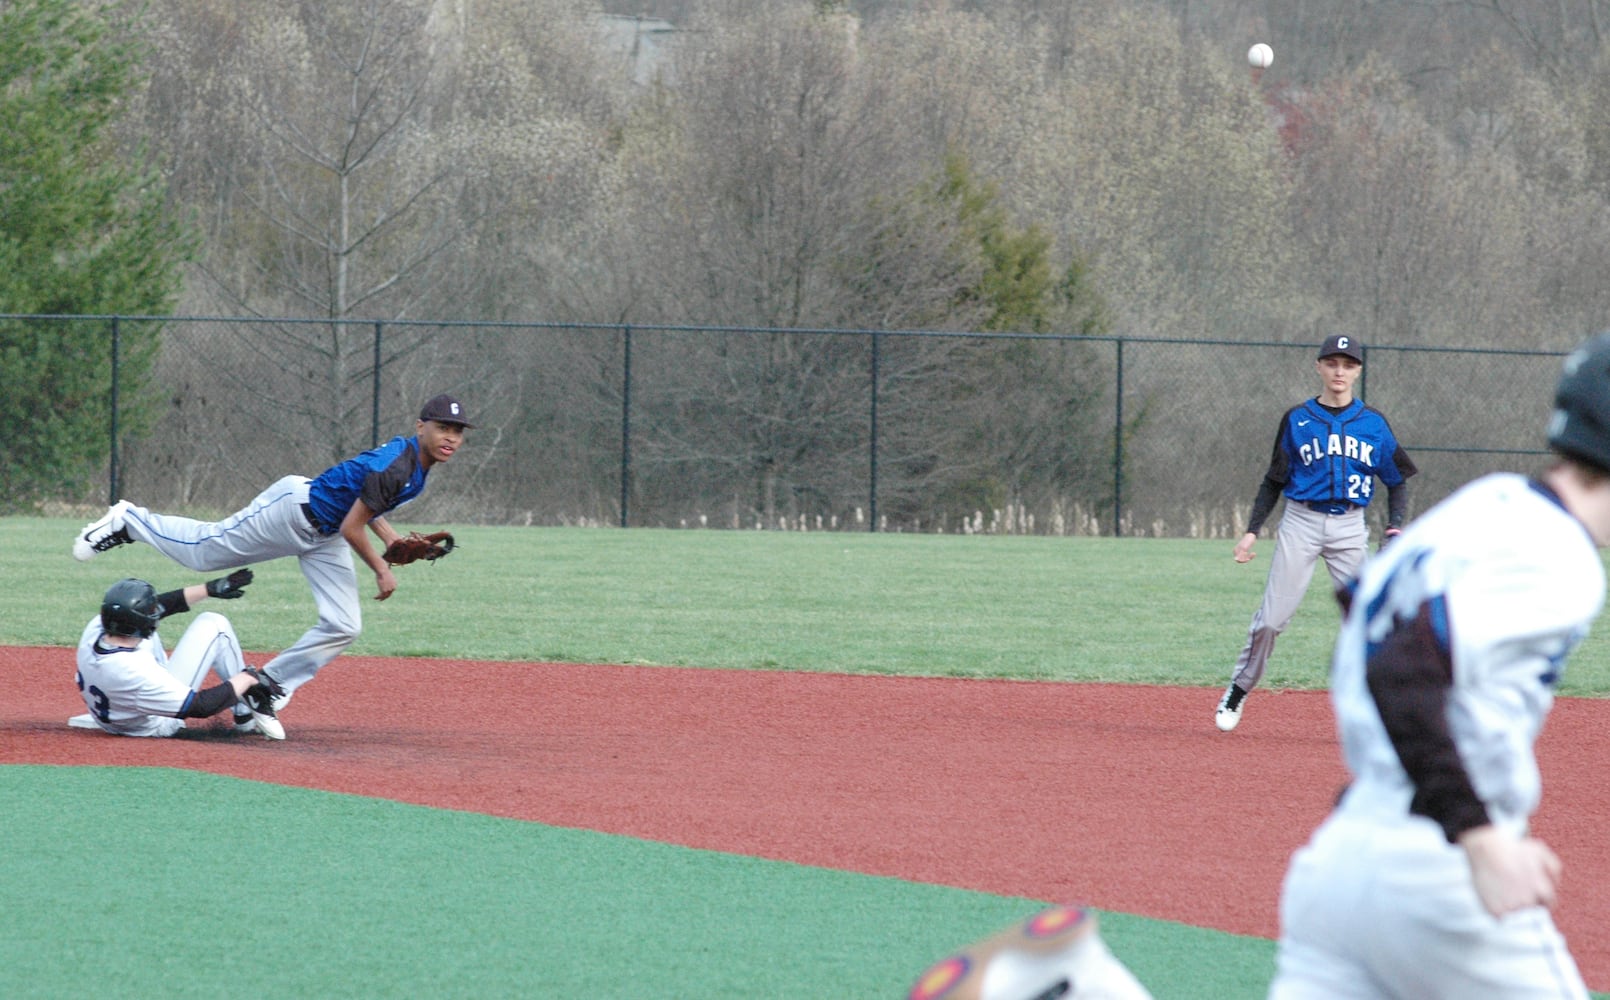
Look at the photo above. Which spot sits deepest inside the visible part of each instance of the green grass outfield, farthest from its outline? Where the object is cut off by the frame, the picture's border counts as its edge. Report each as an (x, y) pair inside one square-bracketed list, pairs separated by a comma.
[(136, 882), (1153, 611)]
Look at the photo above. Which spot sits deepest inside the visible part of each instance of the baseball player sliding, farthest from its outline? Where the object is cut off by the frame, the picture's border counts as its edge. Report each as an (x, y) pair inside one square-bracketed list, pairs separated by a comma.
[(1423, 882), (1328, 452), (133, 687), (321, 522)]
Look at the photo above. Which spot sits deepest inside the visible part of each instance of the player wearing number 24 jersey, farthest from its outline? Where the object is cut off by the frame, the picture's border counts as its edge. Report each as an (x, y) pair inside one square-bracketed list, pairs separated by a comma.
[(1424, 881), (1328, 453)]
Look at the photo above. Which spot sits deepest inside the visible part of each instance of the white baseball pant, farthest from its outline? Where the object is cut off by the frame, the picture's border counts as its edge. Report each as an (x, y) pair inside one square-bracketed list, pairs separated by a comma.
[(1305, 536), (1384, 908), (272, 526)]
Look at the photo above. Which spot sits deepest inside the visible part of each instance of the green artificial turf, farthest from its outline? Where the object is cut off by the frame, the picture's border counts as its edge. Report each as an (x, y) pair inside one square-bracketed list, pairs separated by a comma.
[(141, 882)]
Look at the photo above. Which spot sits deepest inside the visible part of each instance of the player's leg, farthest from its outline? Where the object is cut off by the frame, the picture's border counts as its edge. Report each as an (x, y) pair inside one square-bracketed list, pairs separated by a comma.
[(328, 569), (1437, 941), (1291, 569), (1324, 907), (1304, 972), (270, 527), (209, 644), (1347, 541)]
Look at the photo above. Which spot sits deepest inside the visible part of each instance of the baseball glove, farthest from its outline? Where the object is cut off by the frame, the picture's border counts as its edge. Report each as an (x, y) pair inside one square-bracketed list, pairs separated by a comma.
[(414, 547)]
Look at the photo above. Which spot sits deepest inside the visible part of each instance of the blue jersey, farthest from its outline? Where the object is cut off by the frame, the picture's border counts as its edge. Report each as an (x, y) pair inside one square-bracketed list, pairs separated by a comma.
[(384, 478), (1327, 456)]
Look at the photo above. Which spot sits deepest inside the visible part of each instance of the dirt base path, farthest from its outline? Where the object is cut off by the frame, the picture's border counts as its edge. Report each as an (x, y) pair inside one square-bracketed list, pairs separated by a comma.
[(1124, 798)]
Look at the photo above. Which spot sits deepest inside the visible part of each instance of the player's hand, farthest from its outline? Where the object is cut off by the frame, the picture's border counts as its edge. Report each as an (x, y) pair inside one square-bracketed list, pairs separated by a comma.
[(229, 587), (1243, 548), (1511, 873), (386, 582)]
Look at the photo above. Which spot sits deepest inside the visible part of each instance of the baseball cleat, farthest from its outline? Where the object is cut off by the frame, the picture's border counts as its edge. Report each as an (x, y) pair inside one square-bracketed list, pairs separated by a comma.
[(85, 721), (1228, 714), (264, 712), (270, 727), (262, 718), (107, 533)]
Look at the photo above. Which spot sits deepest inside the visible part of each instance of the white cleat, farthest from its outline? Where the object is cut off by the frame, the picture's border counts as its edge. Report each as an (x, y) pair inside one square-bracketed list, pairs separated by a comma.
[(264, 718), (98, 536), (1228, 714), (270, 727)]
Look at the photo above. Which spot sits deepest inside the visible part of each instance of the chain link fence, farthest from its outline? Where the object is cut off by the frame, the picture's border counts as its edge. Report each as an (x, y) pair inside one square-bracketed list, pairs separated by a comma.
[(660, 426)]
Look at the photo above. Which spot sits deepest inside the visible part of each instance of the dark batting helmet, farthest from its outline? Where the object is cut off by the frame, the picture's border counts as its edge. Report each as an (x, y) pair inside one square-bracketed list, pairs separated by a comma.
[(130, 608), (1580, 426)]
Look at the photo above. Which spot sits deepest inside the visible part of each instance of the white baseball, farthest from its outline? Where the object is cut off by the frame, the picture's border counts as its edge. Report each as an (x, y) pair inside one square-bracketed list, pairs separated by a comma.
[(1261, 56)]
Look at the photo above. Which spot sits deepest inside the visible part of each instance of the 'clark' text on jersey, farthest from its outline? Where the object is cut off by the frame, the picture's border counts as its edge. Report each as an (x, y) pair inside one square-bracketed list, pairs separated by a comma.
[(1336, 455)]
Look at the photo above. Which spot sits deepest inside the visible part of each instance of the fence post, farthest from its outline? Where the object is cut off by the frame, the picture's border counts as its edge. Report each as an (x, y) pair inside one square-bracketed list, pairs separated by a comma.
[(374, 392), (1118, 444), (872, 436), (116, 476), (626, 424)]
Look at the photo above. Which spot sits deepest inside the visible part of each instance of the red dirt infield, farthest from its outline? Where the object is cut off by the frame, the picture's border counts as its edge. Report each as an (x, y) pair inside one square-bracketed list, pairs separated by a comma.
[(1124, 798)]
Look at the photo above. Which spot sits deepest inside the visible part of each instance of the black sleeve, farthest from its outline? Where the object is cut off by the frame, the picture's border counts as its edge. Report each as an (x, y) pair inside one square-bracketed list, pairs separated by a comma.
[(1274, 480), (209, 702), (1397, 504), (173, 603), (1409, 676), (382, 487), (1263, 504), (1406, 467)]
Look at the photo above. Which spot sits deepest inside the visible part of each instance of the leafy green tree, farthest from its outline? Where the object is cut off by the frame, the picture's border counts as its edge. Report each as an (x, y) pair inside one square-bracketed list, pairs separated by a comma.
[(84, 230)]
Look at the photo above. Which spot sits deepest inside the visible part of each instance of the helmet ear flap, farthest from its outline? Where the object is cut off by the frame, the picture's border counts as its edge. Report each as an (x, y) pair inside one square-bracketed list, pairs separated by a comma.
[(1580, 424), (130, 608)]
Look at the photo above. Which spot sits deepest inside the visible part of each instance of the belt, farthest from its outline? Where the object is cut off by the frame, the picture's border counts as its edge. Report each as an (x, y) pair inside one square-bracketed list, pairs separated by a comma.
[(307, 512), (1330, 506)]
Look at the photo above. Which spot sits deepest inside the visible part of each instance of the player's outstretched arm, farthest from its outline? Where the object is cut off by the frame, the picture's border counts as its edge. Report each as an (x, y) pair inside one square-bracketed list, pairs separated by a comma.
[(1510, 873)]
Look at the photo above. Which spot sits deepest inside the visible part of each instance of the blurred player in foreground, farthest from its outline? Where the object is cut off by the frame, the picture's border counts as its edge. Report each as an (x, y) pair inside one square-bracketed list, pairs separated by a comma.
[(133, 687), (1057, 953), (1424, 883)]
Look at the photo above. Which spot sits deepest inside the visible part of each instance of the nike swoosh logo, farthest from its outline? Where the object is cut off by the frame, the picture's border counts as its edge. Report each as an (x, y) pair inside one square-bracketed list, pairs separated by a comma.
[(1302, 423)]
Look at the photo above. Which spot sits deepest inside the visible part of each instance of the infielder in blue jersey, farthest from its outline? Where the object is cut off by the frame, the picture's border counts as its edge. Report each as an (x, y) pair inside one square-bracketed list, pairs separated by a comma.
[(320, 521), (1328, 453)]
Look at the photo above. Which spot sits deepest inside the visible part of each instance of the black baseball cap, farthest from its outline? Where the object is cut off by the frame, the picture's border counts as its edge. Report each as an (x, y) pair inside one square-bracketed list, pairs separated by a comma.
[(1344, 344), (444, 409)]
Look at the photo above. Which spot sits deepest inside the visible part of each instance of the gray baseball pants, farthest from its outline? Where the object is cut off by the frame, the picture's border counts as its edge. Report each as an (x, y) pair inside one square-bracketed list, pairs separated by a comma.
[(1305, 536), (272, 526)]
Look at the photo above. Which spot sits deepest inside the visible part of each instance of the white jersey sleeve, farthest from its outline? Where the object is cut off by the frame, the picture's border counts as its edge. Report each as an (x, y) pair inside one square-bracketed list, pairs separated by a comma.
[(1515, 581)]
